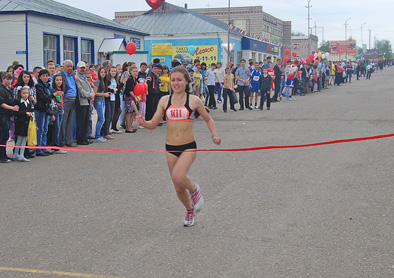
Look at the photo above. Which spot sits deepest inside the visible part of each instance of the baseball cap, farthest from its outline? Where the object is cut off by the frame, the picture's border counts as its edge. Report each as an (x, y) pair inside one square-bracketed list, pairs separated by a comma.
[(81, 64)]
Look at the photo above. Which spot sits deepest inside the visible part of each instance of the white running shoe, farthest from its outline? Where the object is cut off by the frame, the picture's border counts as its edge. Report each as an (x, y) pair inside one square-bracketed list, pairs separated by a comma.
[(197, 199), (256, 107), (140, 126), (189, 219)]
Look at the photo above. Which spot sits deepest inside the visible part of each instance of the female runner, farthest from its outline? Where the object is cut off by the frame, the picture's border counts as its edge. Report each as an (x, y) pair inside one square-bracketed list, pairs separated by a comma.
[(180, 109)]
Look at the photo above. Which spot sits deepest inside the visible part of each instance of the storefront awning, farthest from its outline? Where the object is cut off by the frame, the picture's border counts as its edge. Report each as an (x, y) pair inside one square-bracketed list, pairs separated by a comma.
[(111, 45)]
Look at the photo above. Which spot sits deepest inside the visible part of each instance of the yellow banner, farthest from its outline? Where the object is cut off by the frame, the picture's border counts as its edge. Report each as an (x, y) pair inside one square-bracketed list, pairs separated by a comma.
[(161, 49), (205, 53)]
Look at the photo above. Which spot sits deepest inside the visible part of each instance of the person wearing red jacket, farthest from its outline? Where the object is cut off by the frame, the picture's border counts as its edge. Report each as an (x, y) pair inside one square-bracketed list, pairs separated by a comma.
[(92, 72)]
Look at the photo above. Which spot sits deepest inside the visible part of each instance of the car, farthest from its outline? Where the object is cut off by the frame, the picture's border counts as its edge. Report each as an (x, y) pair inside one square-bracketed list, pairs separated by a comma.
[(183, 59)]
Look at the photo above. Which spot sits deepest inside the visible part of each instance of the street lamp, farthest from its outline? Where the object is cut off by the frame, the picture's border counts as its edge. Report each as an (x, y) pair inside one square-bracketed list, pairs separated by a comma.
[(228, 35), (346, 28), (362, 35)]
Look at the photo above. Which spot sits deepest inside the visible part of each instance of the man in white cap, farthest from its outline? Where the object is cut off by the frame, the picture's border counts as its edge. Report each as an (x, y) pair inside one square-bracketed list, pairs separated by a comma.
[(69, 105), (85, 95)]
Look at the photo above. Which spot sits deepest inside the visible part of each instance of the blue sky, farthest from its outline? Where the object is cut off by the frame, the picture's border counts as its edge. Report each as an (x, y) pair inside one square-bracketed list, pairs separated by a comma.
[(377, 14)]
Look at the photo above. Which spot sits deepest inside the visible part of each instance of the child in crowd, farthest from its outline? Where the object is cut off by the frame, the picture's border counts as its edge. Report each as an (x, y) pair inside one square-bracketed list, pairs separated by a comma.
[(129, 98), (58, 86), (265, 85), (255, 74), (228, 90), (101, 94), (192, 83), (22, 119)]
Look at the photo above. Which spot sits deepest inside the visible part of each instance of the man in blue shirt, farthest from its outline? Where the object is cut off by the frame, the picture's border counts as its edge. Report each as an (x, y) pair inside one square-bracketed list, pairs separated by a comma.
[(242, 74), (69, 105)]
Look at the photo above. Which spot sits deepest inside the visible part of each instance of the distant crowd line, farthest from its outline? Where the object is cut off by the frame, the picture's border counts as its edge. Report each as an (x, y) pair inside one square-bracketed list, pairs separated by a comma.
[(62, 98)]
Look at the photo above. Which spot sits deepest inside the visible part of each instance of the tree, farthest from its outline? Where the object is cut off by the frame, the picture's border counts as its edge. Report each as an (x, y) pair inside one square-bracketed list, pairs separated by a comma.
[(385, 49), (351, 38), (297, 34), (325, 46)]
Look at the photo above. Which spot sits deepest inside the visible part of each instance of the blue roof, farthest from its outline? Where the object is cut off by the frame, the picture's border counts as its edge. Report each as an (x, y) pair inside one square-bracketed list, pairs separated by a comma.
[(58, 10), (171, 19)]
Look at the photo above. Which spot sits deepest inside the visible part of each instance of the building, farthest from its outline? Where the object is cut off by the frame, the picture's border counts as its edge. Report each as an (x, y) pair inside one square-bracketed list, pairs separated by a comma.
[(35, 31), (251, 19), (300, 45), (173, 29)]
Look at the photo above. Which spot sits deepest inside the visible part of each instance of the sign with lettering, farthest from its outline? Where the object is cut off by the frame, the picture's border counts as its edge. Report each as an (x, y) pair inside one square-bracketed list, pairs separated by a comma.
[(161, 49), (204, 53)]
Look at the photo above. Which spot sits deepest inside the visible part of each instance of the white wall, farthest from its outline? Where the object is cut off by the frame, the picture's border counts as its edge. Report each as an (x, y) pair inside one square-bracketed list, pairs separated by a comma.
[(12, 30), (38, 25)]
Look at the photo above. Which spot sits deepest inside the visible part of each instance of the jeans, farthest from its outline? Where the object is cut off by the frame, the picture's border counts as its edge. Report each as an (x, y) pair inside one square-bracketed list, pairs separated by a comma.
[(219, 90), (42, 120), (349, 76), (277, 89), (100, 109), (56, 129), (66, 130), (4, 133), (282, 86), (83, 113), (109, 113), (243, 90), (265, 94), (122, 107), (20, 142), (227, 93), (212, 102), (302, 90)]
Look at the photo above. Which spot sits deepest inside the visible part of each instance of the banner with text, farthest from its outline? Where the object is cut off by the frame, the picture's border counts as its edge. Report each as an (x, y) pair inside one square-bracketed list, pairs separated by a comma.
[(342, 47), (205, 53)]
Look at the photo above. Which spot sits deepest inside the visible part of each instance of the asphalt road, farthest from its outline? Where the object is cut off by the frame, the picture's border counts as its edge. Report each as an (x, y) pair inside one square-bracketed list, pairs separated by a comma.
[(322, 211)]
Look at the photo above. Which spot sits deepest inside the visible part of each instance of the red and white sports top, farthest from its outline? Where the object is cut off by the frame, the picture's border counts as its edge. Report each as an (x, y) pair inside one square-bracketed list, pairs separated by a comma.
[(179, 114)]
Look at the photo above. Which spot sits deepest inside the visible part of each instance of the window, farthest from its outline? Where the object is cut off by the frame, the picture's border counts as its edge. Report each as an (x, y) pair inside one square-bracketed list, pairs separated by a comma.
[(87, 51), (51, 48), (254, 56), (69, 49)]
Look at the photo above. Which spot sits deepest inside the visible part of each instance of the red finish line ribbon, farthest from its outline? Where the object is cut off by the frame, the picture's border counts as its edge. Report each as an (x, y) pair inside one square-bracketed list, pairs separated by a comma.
[(212, 150)]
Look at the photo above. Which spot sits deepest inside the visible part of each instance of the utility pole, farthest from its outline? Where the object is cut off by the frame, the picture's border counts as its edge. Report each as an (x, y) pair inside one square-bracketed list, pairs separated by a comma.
[(346, 35), (315, 29), (369, 38), (362, 34), (309, 21), (228, 35), (346, 28)]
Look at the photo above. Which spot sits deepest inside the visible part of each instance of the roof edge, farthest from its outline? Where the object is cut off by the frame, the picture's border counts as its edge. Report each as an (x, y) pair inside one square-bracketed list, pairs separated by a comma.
[(75, 20)]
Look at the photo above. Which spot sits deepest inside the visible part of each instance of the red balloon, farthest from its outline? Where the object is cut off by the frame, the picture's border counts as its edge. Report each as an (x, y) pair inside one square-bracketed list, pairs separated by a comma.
[(145, 86), (155, 4), (286, 59), (308, 60), (139, 89), (373, 59), (380, 58), (131, 48), (287, 52), (311, 57), (294, 54)]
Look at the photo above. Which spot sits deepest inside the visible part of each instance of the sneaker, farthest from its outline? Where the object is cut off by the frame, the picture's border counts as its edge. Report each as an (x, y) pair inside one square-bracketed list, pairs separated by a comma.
[(5, 160), (60, 152), (100, 140), (197, 199), (268, 108), (23, 159), (140, 126), (109, 137), (189, 219), (116, 131), (256, 107), (290, 98)]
